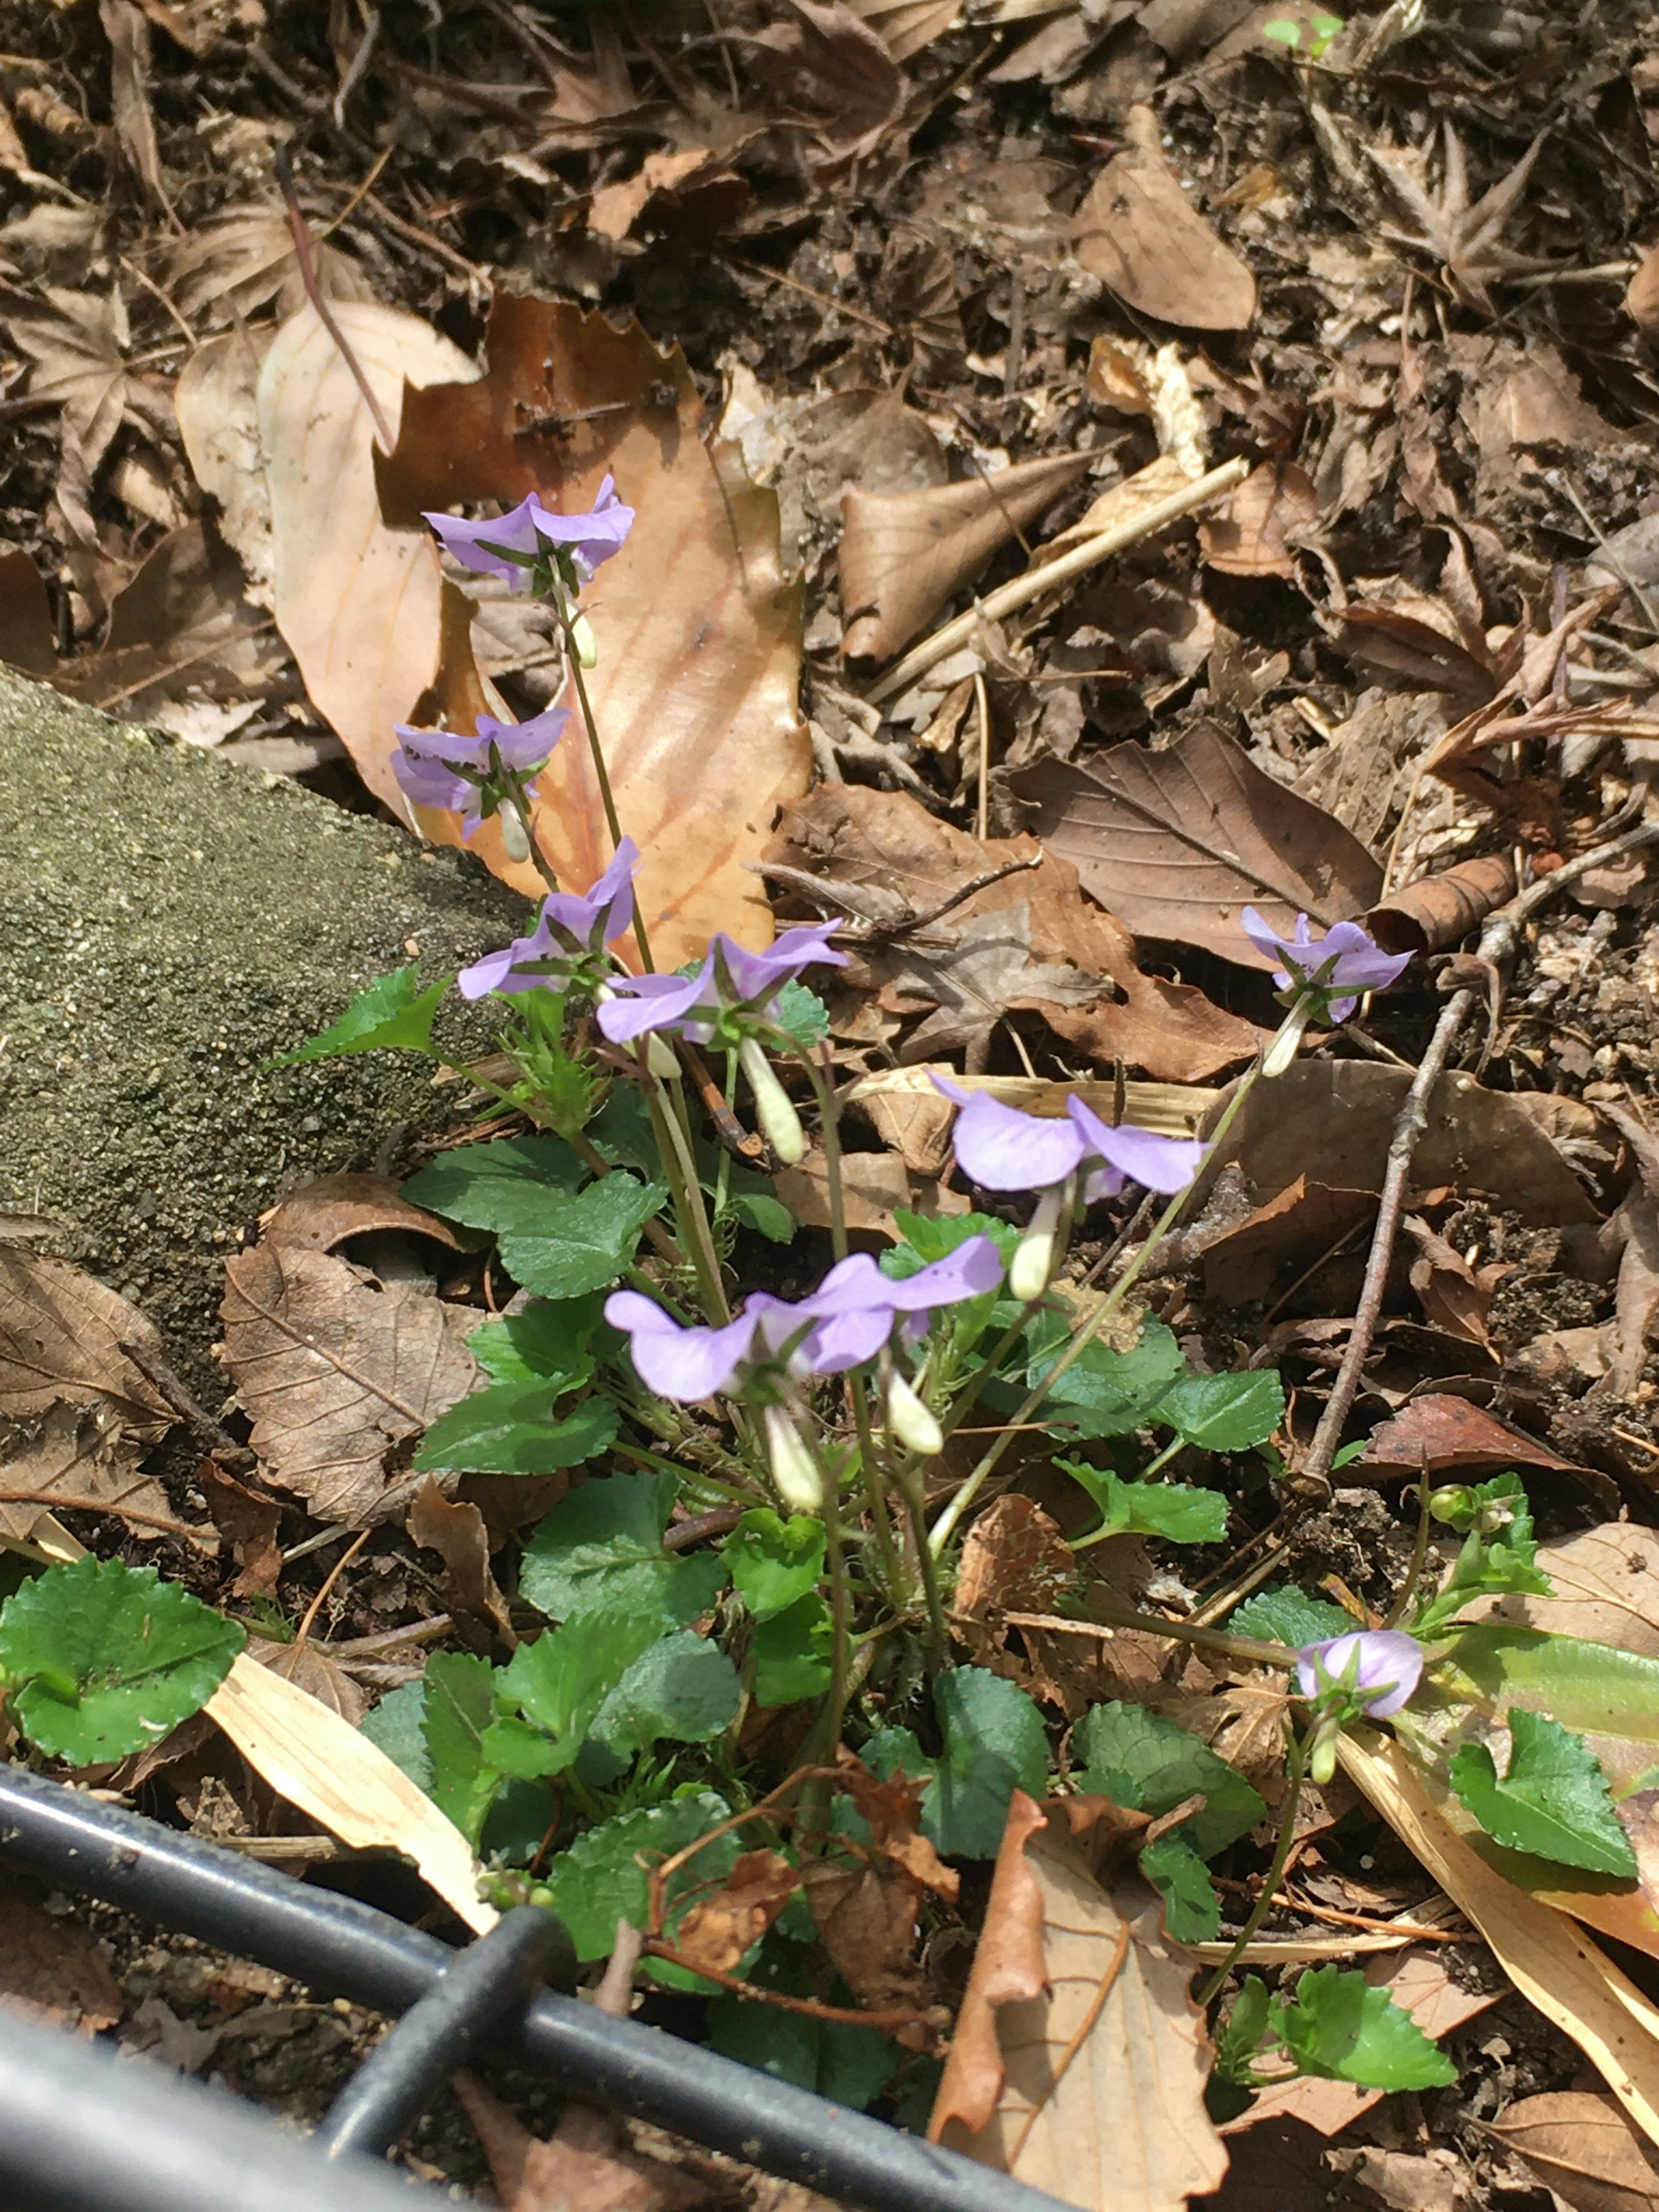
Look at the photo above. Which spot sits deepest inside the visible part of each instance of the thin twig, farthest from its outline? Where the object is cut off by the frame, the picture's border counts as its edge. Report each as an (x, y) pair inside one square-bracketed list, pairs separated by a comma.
[(296, 223)]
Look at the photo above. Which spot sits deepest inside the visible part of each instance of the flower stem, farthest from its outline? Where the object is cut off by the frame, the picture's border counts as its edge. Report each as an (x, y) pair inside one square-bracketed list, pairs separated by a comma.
[(1295, 1767), (601, 773), (829, 1116), (681, 1169)]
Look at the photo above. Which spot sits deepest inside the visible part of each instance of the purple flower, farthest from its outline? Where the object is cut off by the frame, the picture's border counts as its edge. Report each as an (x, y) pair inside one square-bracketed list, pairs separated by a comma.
[(1345, 959), (1381, 1667), (1001, 1149), (570, 925), (531, 530), (845, 1321), (442, 769), (731, 980)]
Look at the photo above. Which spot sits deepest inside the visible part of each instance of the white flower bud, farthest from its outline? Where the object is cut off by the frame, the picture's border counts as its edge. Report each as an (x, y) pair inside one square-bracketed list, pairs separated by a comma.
[(1287, 1039), (515, 836), (660, 1058), (583, 642), (910, 1420), (1033, 1255), (773, 1107), (797, 1474)]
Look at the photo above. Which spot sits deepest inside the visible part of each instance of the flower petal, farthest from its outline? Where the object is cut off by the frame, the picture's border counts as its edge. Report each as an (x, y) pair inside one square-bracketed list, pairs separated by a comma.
[(686, 1364), (1001, 1149), (1161, 1163)]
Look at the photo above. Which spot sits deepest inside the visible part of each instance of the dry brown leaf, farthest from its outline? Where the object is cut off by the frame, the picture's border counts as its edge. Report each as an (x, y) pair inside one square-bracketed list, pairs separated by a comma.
[(1572, 1984), (1177, 842), (1014, 1559), (614, 208), (61, 1334), (1138, 233), (216, 401), (248, 1524), (332, 1771), (128, 33), (330, 1209), (1455, 1296), (718, 1929), (457, 1532), (698, 627), (867, 1921), (1258, 532), (335, 1369), (75, 340), (82, 1458), (1420, 653), (29, 635), (893, 1809), (1584, 2148), (1031, 940), (1172, 1109), (52, 1965), (309, 1667), (907, 26), (1606, 1590), (1079, 2059), (1440, 911), (1642, 298), (586, 2164), (1438, 1431), (824, 57), (1285, 1254), (902, 557), (228, 270)]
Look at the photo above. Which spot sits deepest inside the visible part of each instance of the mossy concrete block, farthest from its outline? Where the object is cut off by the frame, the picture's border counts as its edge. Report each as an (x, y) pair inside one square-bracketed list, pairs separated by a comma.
[(169, 924)]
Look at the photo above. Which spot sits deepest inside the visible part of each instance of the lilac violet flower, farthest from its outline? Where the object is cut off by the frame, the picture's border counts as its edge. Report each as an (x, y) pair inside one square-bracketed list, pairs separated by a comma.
[(478, 776), (514, 545), (569, 936), (1342, 964), (1367, 1675), (731, 982)]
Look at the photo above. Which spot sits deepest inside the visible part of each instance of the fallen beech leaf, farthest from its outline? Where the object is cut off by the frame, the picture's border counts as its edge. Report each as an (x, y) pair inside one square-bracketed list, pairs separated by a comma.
[(902, 557), (1079, 2058), (1014, 1559), (1439, 1431), (83, 1458), (1584, 2148), (1455, 1297), (335, 1369), (52, 1965), (1177, 842), (456, 1531), (1424, 657), (332, 1771), (1572, 1983), (1138, 233), (1439, 912), (1255, 535), (1606, 1590), (332, 1208), (61, 1334), (718, 1929), (698, 627), (1031, 940)]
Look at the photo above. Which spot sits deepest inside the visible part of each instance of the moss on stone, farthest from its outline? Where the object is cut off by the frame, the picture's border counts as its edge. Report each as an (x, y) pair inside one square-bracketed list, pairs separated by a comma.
[(170, 923)]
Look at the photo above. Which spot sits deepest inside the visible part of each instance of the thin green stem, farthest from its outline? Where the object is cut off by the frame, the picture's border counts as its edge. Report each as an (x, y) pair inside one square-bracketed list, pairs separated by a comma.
[(871, 1467), (828, 1115), (1295, 1767), (681, 1169), (601, 773)]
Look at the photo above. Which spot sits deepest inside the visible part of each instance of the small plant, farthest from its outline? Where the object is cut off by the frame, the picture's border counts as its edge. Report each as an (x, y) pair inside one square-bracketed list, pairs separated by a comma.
[(1320, 32)]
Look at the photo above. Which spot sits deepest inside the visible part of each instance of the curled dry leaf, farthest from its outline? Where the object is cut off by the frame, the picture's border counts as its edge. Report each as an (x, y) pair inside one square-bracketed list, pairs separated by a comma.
[(1259, 531), (1582, 2149), (456, 1531), (335, 1369), (698, 627), (1079, 2059), (902, 557), (893, 1809), (1438, 1431), (1177, 842), (1455, 1296), (82, 1458), (718, 1929), (309, 1667), (824, 57), (588, 2164), (1140, 234), (62, 1334), (330, 1209), (248, 1524), (1443, 909), (1642, 299), (867, 1920)]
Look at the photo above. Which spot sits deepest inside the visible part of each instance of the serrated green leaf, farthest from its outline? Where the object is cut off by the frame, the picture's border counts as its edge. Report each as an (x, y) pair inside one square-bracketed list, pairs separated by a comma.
[(800, 1013), (600, 1550), (604, 1876), (393, 1014), (558, 1246), (549, 1340), (930, 1236), (1149, 1764), (1288, 1615), (1223, 1412), (484, 1186), (792, 1652), (397, 1726), (1495, 1560), (847, 2064), (1108, 1394), (1150, 1508), (774, 1562), (1239, 2036), (1554, 1803), (103, 1659), (560, 1682), (682, 1688), (1342, 2027), (459, 1705), (1192, 1909), (994, 1744), (769, 1216), (509, 1428)]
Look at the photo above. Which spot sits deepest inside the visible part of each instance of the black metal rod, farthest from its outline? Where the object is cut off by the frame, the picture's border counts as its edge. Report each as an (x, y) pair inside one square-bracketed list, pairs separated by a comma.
[(340, 1948), (482, 1991), (81, 2131)]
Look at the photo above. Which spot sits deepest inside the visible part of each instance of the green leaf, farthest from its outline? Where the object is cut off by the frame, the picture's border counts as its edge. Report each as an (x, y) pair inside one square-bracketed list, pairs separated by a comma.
[(769, 1216), (774, 1562), (549, 1340), (1223, 1412), (1192, 1909), (1150, 1508), (459, 1706), (559, 1247), (103, 1659), (1108, 1393), (1500, 1554), (397, 1726), (800, 1013), (1288, 1615), (929, 1237), (683, 1687), (849, 2065), (994, 1744), (1240, 2035), (792, 1651), (1602, 1691), (392, 1013), (484, 1186), (1149, 1764), (1282, 33), (561, 1681), (600, 1549), (1554, 1802), (509, 1430), (601, 1880), (1343, 2028)]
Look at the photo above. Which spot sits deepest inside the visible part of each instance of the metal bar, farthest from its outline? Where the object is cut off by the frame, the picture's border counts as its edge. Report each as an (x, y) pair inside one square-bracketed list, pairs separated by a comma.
[(483, 1991), (340, 1948), (81, 2131)]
